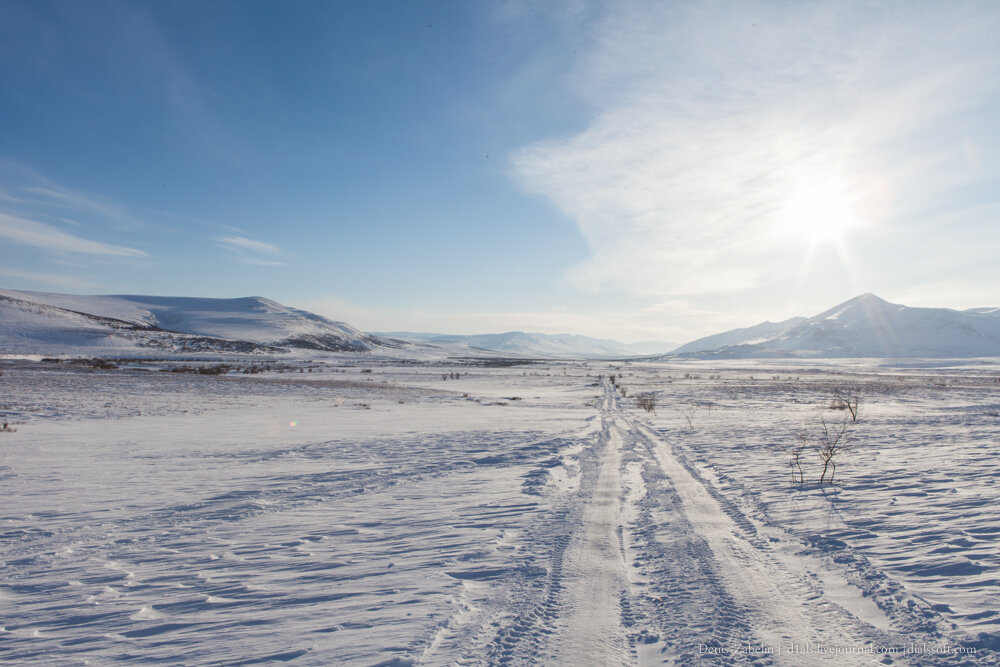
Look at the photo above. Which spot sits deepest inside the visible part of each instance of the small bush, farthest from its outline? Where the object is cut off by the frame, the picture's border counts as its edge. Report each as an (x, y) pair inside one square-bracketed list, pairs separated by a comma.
[(647, 401), (221, 369)]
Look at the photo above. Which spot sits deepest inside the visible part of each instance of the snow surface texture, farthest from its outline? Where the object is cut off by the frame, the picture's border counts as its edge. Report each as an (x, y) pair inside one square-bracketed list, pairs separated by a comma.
[(47, 323), (398, 514), (865, 326)]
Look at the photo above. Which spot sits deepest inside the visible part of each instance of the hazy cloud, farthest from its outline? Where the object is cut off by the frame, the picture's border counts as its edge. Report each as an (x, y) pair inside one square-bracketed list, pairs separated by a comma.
[(708, 119)]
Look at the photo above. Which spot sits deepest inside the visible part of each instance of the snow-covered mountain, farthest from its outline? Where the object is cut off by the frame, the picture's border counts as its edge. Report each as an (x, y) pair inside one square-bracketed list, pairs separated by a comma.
[(745, 336), (865, 326), (48, 323), (541, 345)]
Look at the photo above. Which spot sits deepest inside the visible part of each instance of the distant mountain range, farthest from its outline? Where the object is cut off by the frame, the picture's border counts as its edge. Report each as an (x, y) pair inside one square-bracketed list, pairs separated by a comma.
[(865, 326), (538, 344), (52, 324), (47, 323)]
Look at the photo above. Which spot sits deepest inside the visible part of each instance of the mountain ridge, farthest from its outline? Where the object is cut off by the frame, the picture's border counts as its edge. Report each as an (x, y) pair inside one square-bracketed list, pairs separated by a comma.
[(864, 326), (533, 343)]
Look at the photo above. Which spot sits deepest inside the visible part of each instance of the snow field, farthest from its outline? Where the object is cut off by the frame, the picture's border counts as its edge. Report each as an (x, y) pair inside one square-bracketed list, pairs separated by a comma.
[(377, 513), (911, 509)]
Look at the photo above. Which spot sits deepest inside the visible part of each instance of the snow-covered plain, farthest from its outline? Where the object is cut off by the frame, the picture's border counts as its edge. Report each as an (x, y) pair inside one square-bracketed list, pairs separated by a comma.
[(371, 512)]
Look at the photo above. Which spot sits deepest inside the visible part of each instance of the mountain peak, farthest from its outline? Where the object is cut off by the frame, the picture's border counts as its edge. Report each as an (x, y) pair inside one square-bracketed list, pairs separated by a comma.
[(870, 298), (864, 326)]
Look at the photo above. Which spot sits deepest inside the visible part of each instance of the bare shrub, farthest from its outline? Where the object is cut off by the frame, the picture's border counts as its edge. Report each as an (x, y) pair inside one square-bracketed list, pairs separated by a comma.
[(834, 441), (848, 397), (795, 456), (647, 401)]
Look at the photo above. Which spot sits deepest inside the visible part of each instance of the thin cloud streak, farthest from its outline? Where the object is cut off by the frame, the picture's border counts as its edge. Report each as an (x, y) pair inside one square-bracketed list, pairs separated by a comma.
[(80, 202), (243, 243), (40, 235), (28, 193), (240, 246)]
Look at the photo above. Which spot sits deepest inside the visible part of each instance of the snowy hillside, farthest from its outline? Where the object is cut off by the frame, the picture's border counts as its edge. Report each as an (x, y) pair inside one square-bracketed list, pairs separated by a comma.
[(745, 336), (50, 323), (865, 326), (542, 345)]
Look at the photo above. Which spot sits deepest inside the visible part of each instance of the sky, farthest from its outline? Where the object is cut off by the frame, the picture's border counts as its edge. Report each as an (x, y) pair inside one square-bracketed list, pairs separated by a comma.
[(643, 171)]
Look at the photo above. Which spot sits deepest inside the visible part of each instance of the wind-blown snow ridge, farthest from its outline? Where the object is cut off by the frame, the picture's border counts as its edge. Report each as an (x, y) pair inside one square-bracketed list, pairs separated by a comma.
[(865, 326)]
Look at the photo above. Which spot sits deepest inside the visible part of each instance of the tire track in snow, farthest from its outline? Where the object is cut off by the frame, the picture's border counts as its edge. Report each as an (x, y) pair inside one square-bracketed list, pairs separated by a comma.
[(648, 563), (591, 631), (712, 582), (572, 614)]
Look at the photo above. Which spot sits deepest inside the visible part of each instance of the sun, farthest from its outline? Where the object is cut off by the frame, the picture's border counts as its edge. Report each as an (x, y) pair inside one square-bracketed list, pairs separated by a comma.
[(820, 213)]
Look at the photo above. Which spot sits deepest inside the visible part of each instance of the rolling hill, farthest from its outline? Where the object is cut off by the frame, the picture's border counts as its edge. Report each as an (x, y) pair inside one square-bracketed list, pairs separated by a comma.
[(48, 323)]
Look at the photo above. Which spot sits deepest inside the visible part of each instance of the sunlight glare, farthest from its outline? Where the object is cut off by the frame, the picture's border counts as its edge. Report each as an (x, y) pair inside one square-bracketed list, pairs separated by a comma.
[(820, 214)]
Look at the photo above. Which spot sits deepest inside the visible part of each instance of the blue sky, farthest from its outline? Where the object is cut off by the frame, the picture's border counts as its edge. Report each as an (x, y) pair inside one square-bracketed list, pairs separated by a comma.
[(631, 170)]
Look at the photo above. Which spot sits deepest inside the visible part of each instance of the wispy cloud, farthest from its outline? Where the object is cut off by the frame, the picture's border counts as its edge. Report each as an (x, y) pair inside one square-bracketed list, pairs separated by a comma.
[(249, 251), (76, 201), (708, 119), (28, 193), (40, 235), (243, 243)]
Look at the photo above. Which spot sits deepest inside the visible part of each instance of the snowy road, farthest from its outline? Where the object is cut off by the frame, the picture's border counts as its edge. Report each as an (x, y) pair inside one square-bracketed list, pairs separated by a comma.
[(591, 629)]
